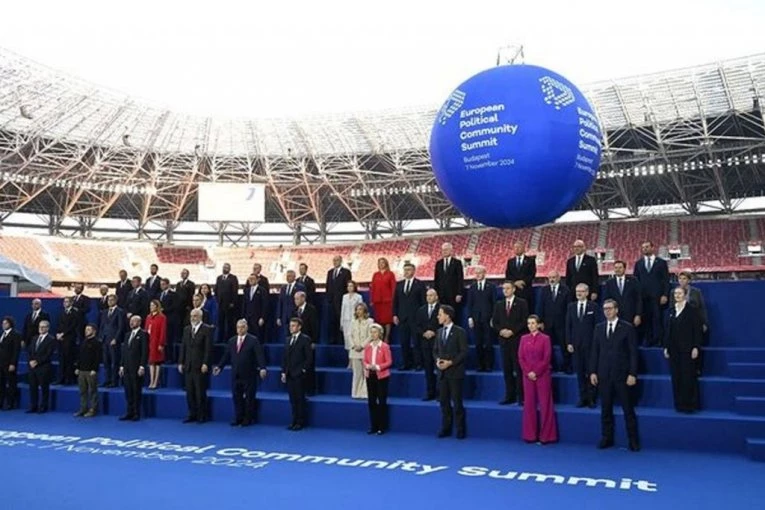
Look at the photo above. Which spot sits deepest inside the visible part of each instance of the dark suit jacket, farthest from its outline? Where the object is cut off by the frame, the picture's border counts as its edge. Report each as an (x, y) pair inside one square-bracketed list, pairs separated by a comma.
[(114, 327), (122, 292), (285, 304), (515, 322), (406, 306), (44, 355), (135, 354), (683, 333), (310, 288), (450, 283), (588, 273), (226, 290), (185, 295), (310, 318), (480, 304), (580, 332), (32, 327), (153, 287), (553, 311), (196, 350), (454, 348), (103, 304), (246, 363), (425, 323), (255, 307), (613, 359), (69, 323), (527, 272), (297, 358), (630, 301), (82, 304), (696, 298), (337, 287), (138, 303), (656, 283), (170, 305), (10, 348)]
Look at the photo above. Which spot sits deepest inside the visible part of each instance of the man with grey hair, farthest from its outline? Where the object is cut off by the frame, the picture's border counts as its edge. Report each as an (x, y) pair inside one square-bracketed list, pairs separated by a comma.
[(193, 363), (68, 328), (449, 278), (40, 354), (336, 287), (582, 268), (552, 309), (135, 357), (32, 322), (308, 314), (580, 328), (481, 296), (103, 300), (245, 352)]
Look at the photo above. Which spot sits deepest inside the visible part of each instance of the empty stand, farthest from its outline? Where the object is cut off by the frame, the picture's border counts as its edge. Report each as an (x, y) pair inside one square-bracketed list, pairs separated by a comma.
[(625, 238), (496, 246), (429, 251), (713, 245), (556, 241)]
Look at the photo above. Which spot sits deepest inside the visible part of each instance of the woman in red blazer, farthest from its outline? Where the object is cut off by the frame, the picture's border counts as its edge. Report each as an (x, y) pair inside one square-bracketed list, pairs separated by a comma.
[(156, 327), (377, 363), (381, 291)]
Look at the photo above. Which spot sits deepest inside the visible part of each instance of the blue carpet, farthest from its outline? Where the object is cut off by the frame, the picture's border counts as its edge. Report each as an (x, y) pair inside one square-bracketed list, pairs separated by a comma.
[(38, 474)]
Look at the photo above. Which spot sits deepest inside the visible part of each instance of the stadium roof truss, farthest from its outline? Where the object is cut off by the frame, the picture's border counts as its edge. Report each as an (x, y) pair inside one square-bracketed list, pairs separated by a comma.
[(71, 149)]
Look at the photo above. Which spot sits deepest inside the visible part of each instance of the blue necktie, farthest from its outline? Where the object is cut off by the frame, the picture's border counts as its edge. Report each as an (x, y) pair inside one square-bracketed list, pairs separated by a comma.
[(443, 337)]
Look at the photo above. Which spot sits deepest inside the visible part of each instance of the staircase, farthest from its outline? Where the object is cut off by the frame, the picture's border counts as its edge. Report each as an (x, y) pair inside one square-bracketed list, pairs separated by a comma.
[(748, 366)]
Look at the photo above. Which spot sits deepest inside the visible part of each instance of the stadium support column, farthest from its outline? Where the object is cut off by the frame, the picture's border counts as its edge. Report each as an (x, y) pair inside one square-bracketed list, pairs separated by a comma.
[(54, 224), (370, 229), (297, 231)]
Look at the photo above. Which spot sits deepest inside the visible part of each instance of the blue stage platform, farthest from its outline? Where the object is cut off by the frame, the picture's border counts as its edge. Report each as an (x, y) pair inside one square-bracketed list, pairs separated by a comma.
[(732, 390)]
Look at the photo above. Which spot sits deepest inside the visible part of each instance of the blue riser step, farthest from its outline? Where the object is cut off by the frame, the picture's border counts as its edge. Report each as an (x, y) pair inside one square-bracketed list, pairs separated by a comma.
[(755, 449), (652, 361), (750, 406), (717, 394), (712, 432), (747, 370)]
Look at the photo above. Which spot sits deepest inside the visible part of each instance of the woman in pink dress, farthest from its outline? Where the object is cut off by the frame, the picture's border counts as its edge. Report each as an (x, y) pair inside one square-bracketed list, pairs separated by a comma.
[(534, 355), (156, 327), (381, 292)]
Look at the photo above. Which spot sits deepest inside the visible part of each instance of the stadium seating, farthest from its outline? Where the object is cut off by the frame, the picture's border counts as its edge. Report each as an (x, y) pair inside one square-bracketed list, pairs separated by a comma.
[(705, 245)]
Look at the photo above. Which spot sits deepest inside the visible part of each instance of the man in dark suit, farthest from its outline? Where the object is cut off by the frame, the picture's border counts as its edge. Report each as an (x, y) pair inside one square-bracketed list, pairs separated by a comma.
[(308, 283), (580, 328), (197, 301), (103, 300), (509, 322), (152, 284), (10, 348), (39, 355), (337, 285), (285, 303), (407, 300), (185, 290), (552, 307), (427, 328), (68, 327), (261, 278), (481, 296), (309, 316), (138, 300), (582, 268), (81, 303), (227, 294), (521, 270), (112, 328), (254, 306), (245, 352), (614, 365), (265, 292), (122, 289), (194, 363), (32, 322), (173, 312), (653, 274), (298, 357), (134, 357), (626, 292), (449, 278), (450, 352)]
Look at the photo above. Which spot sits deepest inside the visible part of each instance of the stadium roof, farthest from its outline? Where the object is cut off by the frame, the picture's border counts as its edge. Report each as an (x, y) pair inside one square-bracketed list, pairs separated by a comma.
[(71, 148)]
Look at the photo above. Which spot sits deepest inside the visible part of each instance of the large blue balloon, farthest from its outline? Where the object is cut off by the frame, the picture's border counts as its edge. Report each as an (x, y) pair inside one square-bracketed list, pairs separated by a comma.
[(515, 146)]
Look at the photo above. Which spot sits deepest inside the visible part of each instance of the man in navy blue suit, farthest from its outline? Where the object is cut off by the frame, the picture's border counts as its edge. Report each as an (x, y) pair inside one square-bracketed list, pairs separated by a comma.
[(174, 312), (653, 274), (553, 304), (481, 296), (153, 283), (40, 354), (254, 306), (298, 357), (285, 305), (407, 300), (626, 292), (614, 366), (112, 328), (580, 327), (248, 361)]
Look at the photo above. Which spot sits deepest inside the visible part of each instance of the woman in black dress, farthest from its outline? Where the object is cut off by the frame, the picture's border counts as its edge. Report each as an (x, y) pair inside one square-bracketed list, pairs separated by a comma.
[(683, 338)]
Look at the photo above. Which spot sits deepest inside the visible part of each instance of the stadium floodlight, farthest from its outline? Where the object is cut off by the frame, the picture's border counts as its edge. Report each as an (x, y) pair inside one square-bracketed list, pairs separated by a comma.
[(26, 112)]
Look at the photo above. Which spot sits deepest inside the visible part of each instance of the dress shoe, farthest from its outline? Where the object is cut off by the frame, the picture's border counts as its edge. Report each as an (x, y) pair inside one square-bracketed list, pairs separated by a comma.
[(90, 414), (31, 410), (634, 446), (42, 410), (443, 433), (291, 426), (591, 404), (297, 427), (605, 443), (201, 421), (189, 419), (428, 398), (371, 431), (581, 404), (79, 414), (246, 423), (236, 423), (135, 417), (380, 432), (461, 435), (506, 402), (125, 417)]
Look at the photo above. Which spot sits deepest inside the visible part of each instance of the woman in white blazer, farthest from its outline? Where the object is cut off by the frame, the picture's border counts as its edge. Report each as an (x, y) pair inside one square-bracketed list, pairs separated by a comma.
[(361, 335), (350, 300)]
